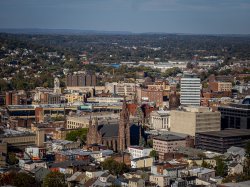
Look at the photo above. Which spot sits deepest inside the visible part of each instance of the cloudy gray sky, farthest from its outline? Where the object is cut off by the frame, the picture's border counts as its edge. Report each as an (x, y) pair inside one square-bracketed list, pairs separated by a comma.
[(171, 16)]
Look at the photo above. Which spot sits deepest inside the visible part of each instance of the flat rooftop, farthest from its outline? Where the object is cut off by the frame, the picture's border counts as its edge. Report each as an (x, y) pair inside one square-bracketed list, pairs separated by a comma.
[(227, 133), (169, 137)]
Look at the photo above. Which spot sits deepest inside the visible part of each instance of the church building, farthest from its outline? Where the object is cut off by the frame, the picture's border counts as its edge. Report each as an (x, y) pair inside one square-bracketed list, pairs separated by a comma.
[(115, 135)]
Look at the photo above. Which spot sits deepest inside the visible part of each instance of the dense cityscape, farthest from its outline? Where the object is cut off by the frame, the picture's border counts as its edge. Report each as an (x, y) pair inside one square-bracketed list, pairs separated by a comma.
[(124, 110), (146, 93)]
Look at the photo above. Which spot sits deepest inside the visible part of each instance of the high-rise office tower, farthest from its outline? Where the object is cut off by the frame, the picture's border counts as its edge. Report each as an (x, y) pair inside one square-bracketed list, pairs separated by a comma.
[(190, 90)]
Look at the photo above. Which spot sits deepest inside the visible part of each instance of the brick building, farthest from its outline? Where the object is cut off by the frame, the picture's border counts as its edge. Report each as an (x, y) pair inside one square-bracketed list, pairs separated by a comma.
[(79, 80)]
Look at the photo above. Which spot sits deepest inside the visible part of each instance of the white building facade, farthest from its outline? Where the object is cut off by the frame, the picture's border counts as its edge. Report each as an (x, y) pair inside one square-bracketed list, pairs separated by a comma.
[(190, 90), (138, 152), (160, 119)]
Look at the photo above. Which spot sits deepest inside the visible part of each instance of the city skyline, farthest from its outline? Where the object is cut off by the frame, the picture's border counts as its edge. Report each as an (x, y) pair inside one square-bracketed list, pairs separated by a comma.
[(163, 16)]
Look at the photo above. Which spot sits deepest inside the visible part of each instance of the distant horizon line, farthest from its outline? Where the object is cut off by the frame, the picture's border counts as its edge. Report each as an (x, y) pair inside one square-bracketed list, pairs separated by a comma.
[(93, 31)]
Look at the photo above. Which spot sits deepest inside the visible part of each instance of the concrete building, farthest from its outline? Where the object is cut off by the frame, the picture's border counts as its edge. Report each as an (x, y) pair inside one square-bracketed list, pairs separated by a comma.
[(190, 90), (19, 139), (121, 88), (75, 122), (192, 120), (160, 119), (220, 141), (236, 115), (138, 152), (105, 99)]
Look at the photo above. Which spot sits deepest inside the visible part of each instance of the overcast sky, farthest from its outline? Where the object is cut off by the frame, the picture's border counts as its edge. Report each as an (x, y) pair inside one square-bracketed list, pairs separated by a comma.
[(170, 16)]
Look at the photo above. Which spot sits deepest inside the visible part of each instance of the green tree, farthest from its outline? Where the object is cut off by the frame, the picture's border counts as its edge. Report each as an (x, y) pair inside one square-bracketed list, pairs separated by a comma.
[(248, 149), (11, 158), (80, 133), (17, 179), (154, 154), (114, 167), (24, 180), (54, 179), (150, 143), (221, 167), (206, 164), (171, 72), (247, 160)]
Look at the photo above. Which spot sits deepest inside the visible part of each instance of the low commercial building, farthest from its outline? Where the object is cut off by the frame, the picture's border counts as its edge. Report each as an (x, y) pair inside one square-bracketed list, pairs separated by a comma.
[(121, 88), (58, 145), (169, 143), (142, 162), (75, 122), (220, 141), (220, 86), (138, 151), (20, 139), (104, 99), (36, 153), (74, 97), (201, 173), (75, 154), (192, 120)]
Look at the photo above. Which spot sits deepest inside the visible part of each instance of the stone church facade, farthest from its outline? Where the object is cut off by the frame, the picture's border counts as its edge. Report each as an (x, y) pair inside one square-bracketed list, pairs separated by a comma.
[(116, 136)]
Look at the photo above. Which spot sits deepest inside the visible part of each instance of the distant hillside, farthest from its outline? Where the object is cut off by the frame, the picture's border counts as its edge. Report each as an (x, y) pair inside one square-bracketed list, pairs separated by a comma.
[(62, 31)]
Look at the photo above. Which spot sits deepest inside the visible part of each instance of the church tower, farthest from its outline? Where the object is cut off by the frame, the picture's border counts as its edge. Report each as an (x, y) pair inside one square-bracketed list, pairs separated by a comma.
[(92, 136), (124, 128)]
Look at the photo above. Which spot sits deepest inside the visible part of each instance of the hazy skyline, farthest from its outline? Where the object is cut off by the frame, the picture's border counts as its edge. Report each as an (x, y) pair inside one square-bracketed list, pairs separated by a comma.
[(170, 16)]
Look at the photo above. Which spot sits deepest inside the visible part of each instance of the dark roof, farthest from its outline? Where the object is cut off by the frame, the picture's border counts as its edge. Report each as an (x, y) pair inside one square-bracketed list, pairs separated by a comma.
[(141, 158), (112, 130), (169, 137), (227, 133), (233, 164), (90, 182), (70, 163), (134, 179), (109, 130), (106, 174)]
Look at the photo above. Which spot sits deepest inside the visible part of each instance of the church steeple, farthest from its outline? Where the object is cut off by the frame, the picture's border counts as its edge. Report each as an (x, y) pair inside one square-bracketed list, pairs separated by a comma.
[(124, 127)]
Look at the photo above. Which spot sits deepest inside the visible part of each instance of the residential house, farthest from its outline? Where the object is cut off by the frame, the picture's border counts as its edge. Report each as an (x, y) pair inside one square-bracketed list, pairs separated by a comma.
[(235, 168), (136, 182), (40, 173), (160, 180)]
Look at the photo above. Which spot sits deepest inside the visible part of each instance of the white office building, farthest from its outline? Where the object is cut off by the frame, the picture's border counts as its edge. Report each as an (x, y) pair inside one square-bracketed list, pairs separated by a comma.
[(138, 152), (190, 90)]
